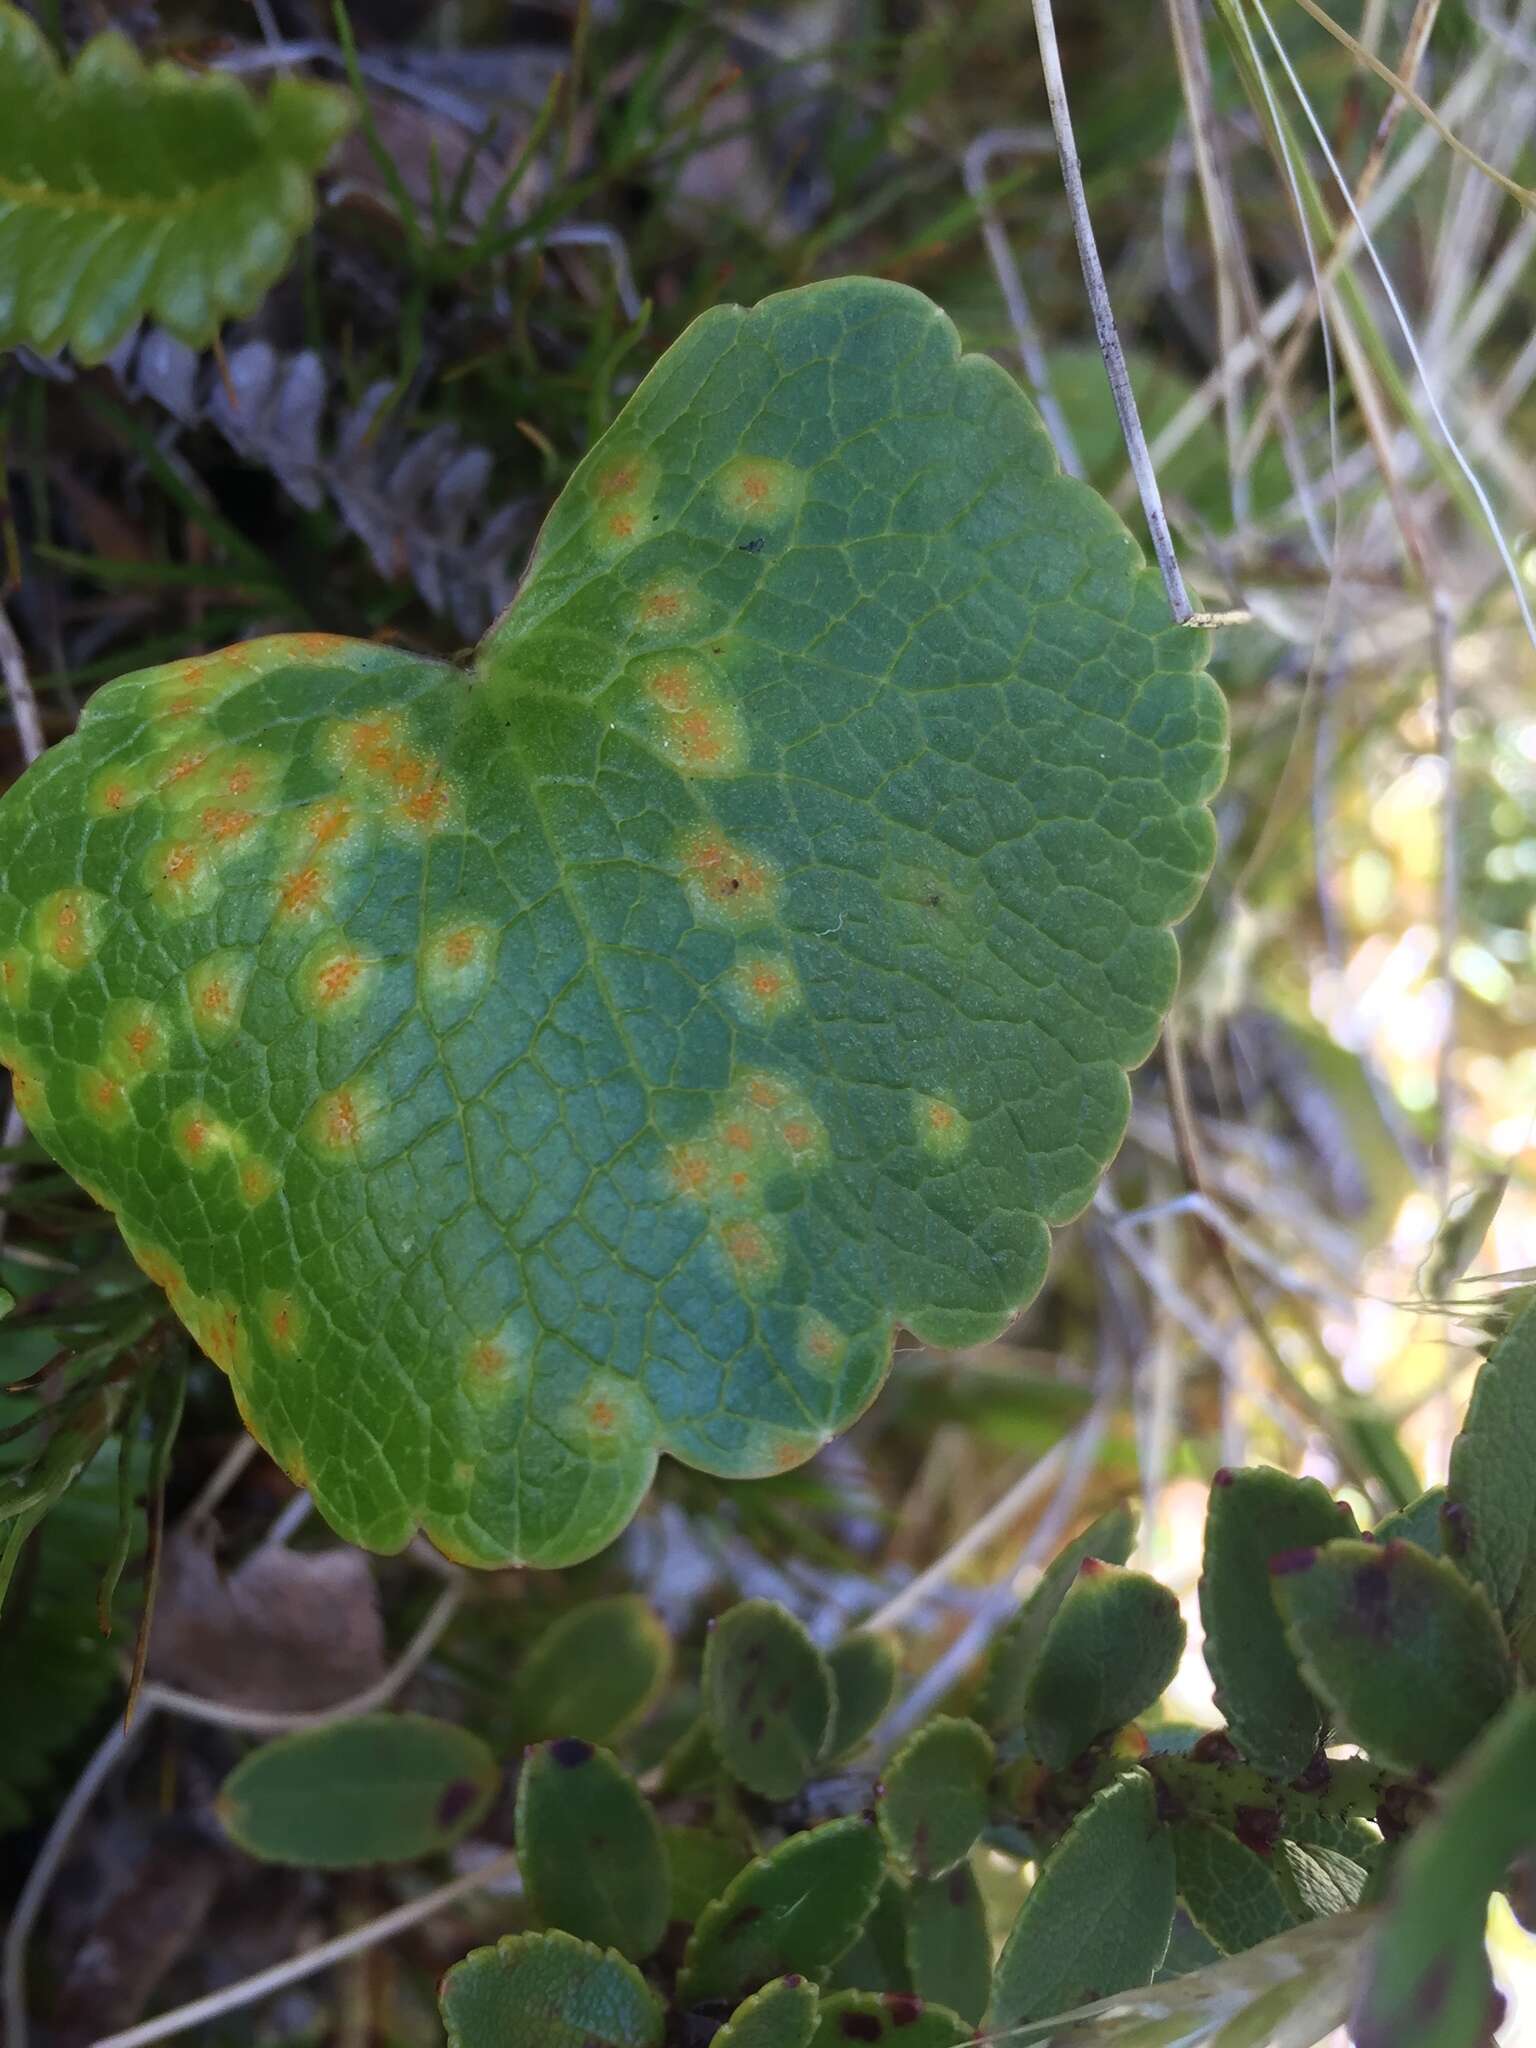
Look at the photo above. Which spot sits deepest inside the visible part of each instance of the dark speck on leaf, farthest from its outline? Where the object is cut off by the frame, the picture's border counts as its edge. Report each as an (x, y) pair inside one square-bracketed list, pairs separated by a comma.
[(1216, 1747), (754, 546), (740, 1922), (1223, 1477), (1317, 1776), (859, 2026), (1453, 1523), (1257, 1828), (793, 1981), (1090, 1567), (570, 1752), (959, 1891), (1372, 1593), (456, 1800), (1291, 1561), (904, 2009), (756, 1729)]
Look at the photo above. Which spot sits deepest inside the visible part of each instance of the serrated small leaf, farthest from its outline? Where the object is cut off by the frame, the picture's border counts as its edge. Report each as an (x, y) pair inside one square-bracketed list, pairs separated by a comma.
[(590, 1848), (1490, 1497), (1255, 1514), (1421, 1522), (1232, 1894), (548, 1991), (129, 190), (591, 1673), (802, 849), (768, 1697), (854, 2016), (933, 1799), (949, 1949), (1407, 1653), (700, 1864), (793, 1911), (877, 1960), (863, 1668), (781, 2015), (1427, 1984), (1109, 1654), (1099, 1915), (382, 1788), (1000, 1706)]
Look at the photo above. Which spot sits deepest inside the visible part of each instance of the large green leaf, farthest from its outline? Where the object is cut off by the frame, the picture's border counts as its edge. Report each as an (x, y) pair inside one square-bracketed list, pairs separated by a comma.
[(1490, 1499), (129, 189), (548, 1991), (1408, 1653), (515, 1074), (1099, 1916), (1428, 1983), (1254, 1514), (380, 1789)]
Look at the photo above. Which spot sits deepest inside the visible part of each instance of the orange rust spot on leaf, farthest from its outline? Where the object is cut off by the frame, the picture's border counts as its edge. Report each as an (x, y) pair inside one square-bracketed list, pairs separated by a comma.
[(798, 1136), (459, 948), (764, 1094), (621, 526), (672, 688), (738, 1137), (114, 796), (334, 980), (224, 827), (745, 1244), (428, 807), (327, 821), (487, 1359), (601, 1415), (691, 1171), (614, 483), (300, 891), (318, 643)]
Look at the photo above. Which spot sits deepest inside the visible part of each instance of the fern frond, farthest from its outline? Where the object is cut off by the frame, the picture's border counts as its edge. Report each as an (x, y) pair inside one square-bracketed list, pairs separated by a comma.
[(129, 190)]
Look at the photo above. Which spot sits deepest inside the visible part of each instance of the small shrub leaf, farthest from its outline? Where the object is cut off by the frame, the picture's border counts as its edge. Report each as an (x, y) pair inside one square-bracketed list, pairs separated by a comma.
[(949, 1950), (1427, 1984), (863, 1668), (590, 1848), (877, 1960), (1255, 1514), (638, 968), (855, 2016), (1100, 1913), (1490, 1498), (129, 189), (768, 1696), (700, 1864), (1421, 1522), (1114, 1645), (1407, 1653), (1233, 1895), (781, 2015), (383, 1788), (591, 1673), (933, 1803), (548, 1991), (795, 1910), (1000, 1707)]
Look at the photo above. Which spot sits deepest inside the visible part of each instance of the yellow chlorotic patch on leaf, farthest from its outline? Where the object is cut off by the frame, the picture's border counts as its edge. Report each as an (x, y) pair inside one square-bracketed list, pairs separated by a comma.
[(304, 891), (182, 877), (726, 884), (823, 1346), (69, 926), (103, 1097), (456, 960), (492, 1367), (135, 1042), (941, 1129), (667, 607), (763, 987), (15, 977), (758, 488), (216, 990), (283, 1321), (258, 1181), (115, 790), (199, 1137), (335, 978), (342, 1121), (622, 489)]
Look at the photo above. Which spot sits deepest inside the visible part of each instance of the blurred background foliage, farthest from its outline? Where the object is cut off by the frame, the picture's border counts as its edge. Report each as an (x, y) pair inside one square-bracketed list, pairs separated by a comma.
[(1330, 1171)]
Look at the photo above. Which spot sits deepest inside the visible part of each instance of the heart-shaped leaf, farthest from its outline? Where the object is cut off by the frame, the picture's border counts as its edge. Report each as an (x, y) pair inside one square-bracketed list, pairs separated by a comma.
[(512, 1075), (796, 1909), (379, 1789), (1256, 1513), (1407, 1652), (548, 1991), (933, 1801), (590, 1848), (768, 1696)]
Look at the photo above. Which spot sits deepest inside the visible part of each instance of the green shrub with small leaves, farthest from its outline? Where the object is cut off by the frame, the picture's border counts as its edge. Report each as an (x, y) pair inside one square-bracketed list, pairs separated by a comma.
[(1330, 1852)]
